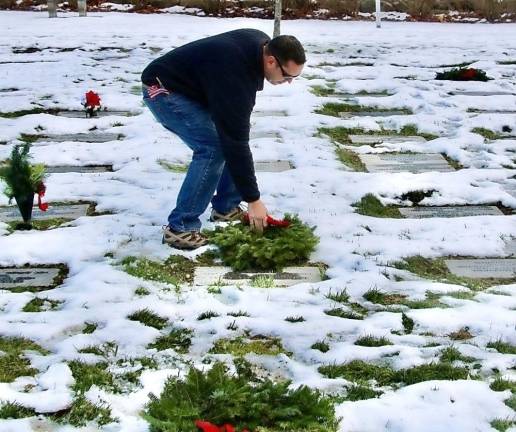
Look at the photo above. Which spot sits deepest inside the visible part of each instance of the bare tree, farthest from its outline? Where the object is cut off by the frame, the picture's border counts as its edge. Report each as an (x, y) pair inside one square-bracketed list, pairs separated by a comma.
[(277, 17)]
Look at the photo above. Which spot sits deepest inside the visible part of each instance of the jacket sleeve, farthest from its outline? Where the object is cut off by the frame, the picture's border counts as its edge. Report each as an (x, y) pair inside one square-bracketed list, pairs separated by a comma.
[(231, 98)]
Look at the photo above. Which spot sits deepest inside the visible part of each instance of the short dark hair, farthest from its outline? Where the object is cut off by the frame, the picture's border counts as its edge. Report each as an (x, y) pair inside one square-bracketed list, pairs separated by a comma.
[(286, 48)]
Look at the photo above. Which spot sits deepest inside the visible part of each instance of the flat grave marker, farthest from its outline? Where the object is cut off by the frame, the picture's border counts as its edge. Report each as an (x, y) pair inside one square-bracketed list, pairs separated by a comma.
[(449, 211), (483, 268), (372, 113), (27, 277), (272, 113), (481, 93), (265, 134), (273, 166), (70, 211), (85, 169), (289, 276), (408, 162), (81, 137), (387, 139), (82, 114)]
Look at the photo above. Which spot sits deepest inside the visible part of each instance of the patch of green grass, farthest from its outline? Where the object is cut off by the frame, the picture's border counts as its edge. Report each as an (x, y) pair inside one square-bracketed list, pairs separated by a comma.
[(359, 371), (295, 319), (500, 384), (502, 347), (263, 281), (82, 412), (322, 91), (39, 304), (350, 159), (408, 323), (89, 327), (238, 314), (452, 354), (149, 318), (136, 90), (370, 205), (92, 349), (511, 402), (342, 313), (321, 346), (341, 134), (486, 133), (219, 398), (429, 372), (13, 410), (175, 270), (241, 346), (372, 341), (374, 295), (207, 315), (13, 364), (176, 168), (335, 109), (502, 424), (141, 291), (461, 295), (436, 269), (341, 296), (178, 339), (361, 392), (452, 162), (86, 375)]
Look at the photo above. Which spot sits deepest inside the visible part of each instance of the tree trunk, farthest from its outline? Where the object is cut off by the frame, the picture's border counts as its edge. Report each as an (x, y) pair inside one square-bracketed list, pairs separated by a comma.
[(277, 18), (52, 8), (81, 5)]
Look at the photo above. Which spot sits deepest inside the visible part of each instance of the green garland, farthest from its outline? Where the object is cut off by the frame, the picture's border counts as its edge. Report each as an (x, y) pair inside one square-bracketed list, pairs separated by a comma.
[(243, 249), (20, 176), (241, 400)]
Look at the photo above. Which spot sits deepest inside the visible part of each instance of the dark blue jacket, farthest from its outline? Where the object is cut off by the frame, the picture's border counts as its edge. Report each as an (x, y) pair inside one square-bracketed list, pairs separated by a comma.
[(223, 73)]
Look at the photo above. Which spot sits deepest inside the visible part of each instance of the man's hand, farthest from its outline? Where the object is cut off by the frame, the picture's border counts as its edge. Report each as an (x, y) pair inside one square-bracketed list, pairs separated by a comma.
[(257, 216)]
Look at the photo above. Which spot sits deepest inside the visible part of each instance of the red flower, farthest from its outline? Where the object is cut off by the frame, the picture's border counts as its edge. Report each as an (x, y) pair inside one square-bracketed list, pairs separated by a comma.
[(469, 73), (92, 100), (40, 190)]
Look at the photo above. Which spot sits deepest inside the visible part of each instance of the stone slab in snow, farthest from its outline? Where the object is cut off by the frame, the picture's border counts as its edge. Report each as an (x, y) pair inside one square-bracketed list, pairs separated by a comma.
[(27, 277), (71, 211), (205, 276), (483, 268), (406, 162), (449, 211)]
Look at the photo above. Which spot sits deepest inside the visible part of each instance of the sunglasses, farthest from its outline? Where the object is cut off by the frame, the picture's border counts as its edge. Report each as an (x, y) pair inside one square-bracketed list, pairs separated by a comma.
[(285, 75)]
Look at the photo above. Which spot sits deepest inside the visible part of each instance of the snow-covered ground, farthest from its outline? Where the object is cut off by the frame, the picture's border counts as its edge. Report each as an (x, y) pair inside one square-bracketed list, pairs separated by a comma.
[(112, 49)]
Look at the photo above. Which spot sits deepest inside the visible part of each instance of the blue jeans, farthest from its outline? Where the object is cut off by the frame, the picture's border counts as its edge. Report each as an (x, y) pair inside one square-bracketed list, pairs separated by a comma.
[(207, 173)]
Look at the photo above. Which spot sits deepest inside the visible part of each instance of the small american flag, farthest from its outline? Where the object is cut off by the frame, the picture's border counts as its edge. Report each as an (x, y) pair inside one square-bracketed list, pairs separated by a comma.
[(155, 90)]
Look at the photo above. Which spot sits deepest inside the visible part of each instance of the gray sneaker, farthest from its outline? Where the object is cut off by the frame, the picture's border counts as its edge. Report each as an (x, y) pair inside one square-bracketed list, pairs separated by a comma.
[(186, 240), (234, 215)]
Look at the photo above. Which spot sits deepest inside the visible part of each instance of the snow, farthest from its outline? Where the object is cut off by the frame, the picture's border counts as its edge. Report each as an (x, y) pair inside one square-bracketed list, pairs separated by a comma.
[(140, 194)]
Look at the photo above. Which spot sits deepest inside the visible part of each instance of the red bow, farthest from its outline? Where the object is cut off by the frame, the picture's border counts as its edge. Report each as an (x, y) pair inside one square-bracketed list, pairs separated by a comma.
[(209, 427), (469, 73), (41, 193), (92, 99), (271, 221)]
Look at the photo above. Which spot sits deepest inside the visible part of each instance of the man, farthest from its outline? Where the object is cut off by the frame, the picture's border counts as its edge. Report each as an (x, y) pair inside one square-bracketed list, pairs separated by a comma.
[(204, 92)]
